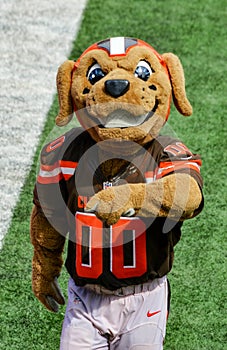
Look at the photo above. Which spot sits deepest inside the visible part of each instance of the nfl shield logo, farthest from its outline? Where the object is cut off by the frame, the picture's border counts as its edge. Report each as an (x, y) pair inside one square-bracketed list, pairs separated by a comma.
[(107, 184)]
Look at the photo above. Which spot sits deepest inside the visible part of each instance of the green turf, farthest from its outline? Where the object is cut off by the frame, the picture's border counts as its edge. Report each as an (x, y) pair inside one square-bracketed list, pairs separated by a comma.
[(196, 32)]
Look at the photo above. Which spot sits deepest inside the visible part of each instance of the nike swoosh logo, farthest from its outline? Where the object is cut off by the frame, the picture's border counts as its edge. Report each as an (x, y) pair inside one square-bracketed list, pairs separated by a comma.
[(149, 314)]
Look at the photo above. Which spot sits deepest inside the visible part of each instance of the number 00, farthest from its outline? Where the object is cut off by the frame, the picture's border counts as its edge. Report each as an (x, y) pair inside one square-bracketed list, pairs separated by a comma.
[(127, 245)]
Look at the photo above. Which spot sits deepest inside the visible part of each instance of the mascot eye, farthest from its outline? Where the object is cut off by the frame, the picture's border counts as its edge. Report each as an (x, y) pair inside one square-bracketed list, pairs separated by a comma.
[(95, 73), (143, 71)]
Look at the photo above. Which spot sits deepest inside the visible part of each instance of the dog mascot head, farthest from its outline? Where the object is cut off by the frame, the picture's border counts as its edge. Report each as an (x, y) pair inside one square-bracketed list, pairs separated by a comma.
[(121, 89)]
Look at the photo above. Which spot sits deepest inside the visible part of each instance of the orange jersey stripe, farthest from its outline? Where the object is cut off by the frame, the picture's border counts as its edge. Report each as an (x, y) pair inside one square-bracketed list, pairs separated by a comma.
[(51, 167), (68, 164), (178, 162), (49, 180), (56, 172), (163, 171)]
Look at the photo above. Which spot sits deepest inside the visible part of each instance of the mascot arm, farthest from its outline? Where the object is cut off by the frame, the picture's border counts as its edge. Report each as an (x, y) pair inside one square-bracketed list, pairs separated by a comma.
[(177, 196), (47, 260)]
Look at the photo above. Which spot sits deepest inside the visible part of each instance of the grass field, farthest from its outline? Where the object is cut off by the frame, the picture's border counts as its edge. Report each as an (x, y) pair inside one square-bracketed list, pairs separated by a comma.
[(196, 32)]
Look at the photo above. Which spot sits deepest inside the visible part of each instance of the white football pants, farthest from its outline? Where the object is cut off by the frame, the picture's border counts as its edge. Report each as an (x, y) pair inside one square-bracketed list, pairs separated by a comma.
[(133, 318)]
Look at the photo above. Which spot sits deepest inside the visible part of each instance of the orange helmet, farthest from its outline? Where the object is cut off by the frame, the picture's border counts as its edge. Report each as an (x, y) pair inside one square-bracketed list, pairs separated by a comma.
[(119, 46)]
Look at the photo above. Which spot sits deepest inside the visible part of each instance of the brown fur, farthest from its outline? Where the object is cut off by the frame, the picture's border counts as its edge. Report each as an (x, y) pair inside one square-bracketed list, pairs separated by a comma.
[(47, 259), (65, 100), (176, 196)]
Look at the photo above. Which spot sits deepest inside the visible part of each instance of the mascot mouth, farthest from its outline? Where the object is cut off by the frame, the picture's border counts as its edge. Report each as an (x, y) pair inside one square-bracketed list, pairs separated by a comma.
[(121, 118)]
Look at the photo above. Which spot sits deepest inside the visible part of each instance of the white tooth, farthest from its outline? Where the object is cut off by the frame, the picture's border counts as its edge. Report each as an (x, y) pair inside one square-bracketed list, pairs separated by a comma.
[(122, 120)]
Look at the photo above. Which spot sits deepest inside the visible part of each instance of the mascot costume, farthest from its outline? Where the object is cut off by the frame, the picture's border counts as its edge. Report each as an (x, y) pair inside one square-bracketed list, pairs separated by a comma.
[(119, 191)]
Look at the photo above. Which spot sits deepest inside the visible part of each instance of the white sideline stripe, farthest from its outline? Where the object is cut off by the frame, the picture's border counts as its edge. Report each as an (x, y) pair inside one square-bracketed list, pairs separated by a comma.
[(36, 37)]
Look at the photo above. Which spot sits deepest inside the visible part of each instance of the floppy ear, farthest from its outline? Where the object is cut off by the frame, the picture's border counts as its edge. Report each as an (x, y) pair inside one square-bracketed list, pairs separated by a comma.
[(178, 83), (64, 76)]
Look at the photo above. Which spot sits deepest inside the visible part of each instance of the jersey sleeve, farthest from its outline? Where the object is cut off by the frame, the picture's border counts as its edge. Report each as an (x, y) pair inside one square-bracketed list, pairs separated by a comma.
[(50, 192), (176, 157)]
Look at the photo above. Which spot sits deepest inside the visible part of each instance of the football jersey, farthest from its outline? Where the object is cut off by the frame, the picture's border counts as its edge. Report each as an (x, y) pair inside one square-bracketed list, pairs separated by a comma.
[(135, 249)]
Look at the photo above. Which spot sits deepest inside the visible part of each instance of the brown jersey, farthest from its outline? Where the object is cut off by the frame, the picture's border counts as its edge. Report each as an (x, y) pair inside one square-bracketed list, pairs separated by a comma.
[(135, 249)]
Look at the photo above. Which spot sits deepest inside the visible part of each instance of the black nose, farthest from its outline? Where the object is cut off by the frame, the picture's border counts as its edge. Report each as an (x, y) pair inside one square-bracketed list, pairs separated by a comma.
[(116, 87)]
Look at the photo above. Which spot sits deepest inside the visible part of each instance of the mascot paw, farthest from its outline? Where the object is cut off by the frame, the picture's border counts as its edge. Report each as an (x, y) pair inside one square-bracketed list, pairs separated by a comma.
[(110, 204), (50, 294)]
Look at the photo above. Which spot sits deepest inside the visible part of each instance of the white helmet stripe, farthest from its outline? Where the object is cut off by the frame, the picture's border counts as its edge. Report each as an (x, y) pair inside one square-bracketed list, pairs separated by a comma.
[(117, 46)]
